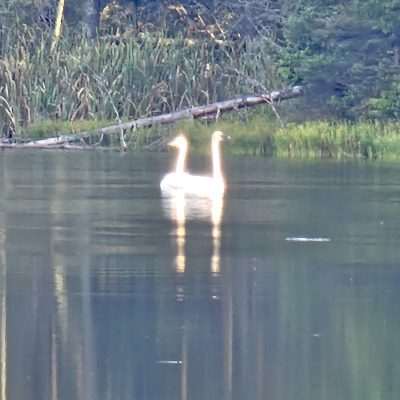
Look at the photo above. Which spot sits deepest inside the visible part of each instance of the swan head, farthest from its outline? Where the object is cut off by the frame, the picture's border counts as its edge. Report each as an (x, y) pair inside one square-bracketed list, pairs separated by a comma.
[(180, 141), (219, 136)]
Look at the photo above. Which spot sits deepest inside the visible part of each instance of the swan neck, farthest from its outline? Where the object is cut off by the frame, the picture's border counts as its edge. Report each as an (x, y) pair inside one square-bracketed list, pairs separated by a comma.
[(180, 162), (216, 160)]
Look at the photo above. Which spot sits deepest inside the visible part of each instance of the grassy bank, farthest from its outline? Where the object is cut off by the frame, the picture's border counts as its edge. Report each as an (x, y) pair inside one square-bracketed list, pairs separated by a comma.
[(261, 135), (311, 140), (86, 84), (108, 79), (340, 140)]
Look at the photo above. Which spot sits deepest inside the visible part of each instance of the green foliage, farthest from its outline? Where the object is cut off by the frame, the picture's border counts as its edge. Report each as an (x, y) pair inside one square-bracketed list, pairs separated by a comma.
[(158, 58), (254, 135), (348, 53), (260, 135), (387, 105), (322, 139), (47, 128), (133, 78)]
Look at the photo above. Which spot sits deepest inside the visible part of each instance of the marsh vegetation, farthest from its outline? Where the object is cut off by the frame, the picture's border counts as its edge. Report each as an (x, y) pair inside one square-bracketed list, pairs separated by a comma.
[(146, 60)]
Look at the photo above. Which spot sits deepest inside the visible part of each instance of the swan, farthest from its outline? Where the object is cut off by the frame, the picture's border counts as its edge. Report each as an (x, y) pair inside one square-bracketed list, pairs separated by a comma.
[(196, 184), (172, 181)]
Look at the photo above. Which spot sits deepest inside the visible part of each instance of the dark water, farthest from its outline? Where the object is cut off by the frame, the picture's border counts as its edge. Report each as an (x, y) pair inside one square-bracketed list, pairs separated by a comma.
[(288, 289)]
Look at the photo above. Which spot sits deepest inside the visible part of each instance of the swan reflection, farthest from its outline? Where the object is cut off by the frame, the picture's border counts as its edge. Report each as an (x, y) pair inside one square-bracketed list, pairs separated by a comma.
[(178, 215), (180, 208), (216, 217)]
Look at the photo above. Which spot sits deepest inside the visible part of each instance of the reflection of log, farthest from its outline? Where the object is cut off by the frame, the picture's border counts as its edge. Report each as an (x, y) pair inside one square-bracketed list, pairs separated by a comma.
[(200, 112)]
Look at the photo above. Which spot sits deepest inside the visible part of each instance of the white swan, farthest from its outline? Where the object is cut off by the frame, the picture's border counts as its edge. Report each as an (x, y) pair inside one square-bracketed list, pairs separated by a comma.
[(172, 181), (196, 184)]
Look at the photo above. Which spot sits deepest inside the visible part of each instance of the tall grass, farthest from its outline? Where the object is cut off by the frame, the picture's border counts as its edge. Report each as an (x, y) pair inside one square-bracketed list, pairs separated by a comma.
[(84, 84), (111, 80), (339, 140), (261, 135)]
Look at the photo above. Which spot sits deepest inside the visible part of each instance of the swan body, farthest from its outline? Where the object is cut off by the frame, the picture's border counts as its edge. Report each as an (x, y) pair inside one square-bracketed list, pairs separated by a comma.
[(172, 181), (192, 184), (195, 184)]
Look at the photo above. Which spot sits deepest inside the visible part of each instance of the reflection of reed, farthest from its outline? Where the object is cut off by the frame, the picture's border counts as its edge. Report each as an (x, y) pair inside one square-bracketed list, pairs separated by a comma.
[(3, 327), (228, 342), (184, 372), (5, 184), (72, 341), (59, 325)]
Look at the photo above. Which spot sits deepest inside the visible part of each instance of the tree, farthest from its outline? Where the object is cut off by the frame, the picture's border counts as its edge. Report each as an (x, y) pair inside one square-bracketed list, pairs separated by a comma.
[(91, 17), (58, 24), (345, 51)]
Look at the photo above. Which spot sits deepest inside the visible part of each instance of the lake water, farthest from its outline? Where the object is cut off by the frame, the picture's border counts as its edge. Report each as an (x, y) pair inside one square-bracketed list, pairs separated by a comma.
[(286, 289)]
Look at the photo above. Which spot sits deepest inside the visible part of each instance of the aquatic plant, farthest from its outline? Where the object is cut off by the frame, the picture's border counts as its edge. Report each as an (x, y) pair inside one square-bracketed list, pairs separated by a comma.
[(260, 134), (118, 79), (339, 139)]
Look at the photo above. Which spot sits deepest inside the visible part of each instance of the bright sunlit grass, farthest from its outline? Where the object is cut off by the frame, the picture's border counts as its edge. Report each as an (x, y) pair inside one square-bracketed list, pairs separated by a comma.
[(260, 134)]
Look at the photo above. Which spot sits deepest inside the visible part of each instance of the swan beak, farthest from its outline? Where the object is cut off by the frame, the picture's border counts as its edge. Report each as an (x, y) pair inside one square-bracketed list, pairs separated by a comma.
[(172, 143)]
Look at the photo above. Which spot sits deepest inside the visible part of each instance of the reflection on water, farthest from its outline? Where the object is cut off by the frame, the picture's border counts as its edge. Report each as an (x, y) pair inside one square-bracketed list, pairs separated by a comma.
[(3, 327), (175, 207), (109, 291), (179, 207)]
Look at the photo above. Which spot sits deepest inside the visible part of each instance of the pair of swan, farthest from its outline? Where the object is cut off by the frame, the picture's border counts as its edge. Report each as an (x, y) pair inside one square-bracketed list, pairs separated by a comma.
[(180, 180)]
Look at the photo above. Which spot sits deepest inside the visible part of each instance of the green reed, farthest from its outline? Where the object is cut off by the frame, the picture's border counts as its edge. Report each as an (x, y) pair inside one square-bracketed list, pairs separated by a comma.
[(120, 79), (260, 134), (340, 140), (85, 84), (256, 133)]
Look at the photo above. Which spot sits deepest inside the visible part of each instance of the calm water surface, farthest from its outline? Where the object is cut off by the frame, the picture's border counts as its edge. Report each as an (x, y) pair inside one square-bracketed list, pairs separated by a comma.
[(286, 289)]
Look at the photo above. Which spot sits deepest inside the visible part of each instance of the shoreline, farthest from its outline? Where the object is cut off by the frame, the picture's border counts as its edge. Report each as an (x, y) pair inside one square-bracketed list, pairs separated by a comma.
[(261, 135)]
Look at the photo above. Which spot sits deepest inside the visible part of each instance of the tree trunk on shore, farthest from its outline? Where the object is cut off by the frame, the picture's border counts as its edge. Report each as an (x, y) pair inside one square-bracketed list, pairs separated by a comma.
[(58, 23)]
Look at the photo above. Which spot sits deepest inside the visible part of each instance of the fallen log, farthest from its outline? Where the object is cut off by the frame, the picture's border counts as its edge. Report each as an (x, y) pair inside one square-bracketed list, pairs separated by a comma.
[(200, 112)]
